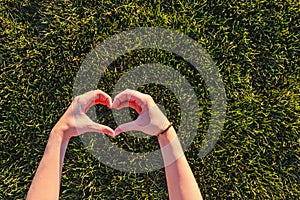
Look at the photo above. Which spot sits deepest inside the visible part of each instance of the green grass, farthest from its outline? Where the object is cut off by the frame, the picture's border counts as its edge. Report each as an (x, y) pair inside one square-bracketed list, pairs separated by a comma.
[(255, 45)]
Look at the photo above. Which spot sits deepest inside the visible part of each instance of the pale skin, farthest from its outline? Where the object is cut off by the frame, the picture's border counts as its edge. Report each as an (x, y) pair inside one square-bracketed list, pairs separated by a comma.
[(180, 179)]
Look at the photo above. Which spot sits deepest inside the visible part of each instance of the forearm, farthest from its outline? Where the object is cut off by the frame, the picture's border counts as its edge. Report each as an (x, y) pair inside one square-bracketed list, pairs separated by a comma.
[(180, 178), (46, 182)]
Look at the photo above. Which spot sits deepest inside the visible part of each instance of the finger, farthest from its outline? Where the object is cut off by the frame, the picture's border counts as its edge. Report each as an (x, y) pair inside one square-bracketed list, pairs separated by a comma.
[(101, 97), (91, 98), (99, 128), (131, 104), (130, 126), (128, 95)]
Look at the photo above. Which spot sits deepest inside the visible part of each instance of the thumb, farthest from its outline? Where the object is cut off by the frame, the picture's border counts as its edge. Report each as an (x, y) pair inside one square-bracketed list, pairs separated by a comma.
[(99, 128), (130, 126)]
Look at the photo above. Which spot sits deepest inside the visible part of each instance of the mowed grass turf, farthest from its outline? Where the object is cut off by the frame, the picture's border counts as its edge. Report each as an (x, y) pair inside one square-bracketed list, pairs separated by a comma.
[(254, 44)]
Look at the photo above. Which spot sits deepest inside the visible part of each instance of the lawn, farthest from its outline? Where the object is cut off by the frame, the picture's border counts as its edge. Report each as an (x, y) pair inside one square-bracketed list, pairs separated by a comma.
[(254, 44)]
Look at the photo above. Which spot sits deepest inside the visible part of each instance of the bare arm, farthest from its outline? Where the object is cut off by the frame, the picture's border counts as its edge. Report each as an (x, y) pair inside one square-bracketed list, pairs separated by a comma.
[(180, 179), (46, 182)]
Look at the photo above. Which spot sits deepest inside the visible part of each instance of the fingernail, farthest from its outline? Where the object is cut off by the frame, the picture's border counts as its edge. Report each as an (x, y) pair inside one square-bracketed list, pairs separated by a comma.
[(110, 133)]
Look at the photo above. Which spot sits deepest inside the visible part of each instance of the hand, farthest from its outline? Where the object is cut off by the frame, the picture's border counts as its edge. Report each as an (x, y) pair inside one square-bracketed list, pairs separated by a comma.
[(75, 122), (150, 120)]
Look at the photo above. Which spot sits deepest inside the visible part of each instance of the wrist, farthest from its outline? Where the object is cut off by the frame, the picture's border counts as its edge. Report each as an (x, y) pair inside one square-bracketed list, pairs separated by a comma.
[(170, 147), (166, 138), (55, 141), (59, 132), (166, 129)]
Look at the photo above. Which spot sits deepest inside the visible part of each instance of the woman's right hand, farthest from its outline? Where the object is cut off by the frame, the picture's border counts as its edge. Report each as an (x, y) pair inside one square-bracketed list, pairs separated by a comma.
[(150, 120)]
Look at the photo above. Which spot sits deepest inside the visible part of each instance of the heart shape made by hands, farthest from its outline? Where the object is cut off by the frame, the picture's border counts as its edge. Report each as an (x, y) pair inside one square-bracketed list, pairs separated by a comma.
[(150, 119)]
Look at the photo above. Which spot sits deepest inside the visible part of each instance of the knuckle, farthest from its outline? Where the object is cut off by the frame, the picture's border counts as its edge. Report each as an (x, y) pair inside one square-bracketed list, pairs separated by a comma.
[(128, 90), (127, 96), (98, 92), (148, 97), (78, 102), (76, 99)]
